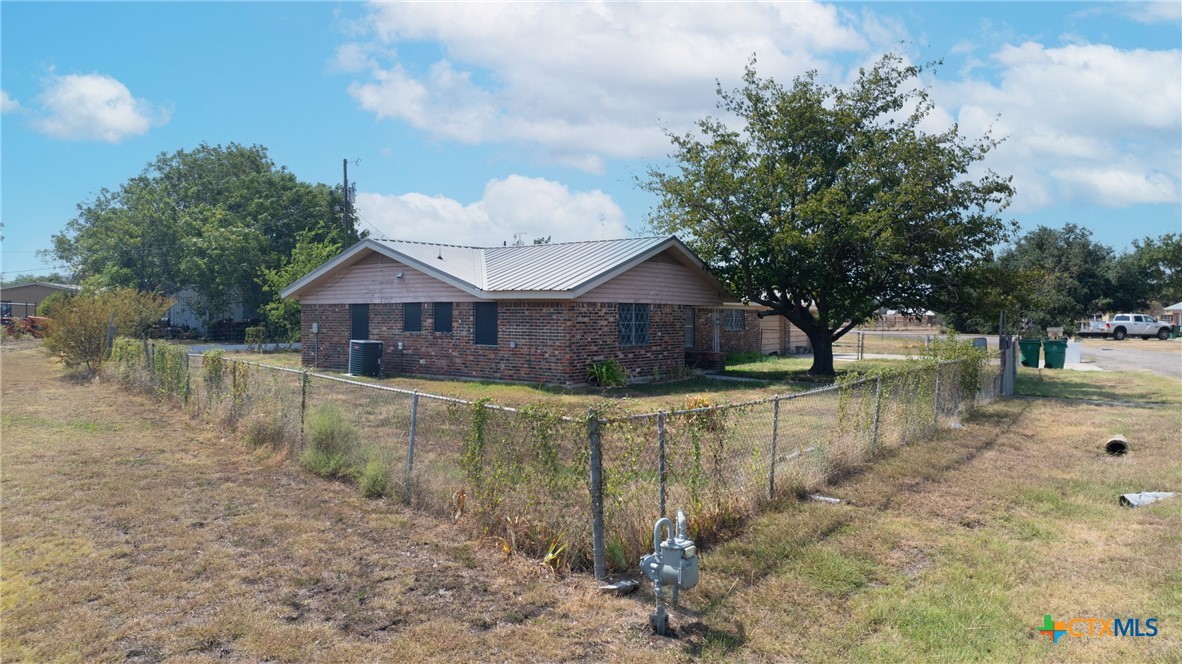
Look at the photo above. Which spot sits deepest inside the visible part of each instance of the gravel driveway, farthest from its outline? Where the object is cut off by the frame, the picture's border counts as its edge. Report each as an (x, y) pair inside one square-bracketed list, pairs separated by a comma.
[(1160, 357)]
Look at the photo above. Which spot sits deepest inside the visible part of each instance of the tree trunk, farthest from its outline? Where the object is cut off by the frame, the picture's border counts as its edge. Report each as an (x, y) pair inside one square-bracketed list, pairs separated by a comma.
[(822, 342)]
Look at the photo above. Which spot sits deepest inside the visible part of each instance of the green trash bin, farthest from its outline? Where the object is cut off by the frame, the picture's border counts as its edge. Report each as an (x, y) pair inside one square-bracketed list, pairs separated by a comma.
[(1055, 352), (1029, 349)]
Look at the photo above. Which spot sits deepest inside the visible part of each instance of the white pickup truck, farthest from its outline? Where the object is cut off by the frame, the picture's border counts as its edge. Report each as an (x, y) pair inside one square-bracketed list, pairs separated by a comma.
[(1127, 325)]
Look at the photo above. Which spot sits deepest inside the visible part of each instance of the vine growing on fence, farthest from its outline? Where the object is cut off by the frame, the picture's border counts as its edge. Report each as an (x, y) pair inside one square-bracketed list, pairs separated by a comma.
[(472, 456), (213, 363), (170, 368)]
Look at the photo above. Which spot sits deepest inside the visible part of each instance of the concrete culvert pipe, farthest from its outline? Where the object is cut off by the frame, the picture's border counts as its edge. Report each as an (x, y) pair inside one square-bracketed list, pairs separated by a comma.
[(1116, 446)]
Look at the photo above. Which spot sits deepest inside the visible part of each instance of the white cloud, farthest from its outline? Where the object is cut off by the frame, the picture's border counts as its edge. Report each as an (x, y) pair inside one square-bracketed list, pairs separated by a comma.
[(94, 107), (585, 81), (1116, 186), (1083, 122), (8, 104), (1169, 11), (516, 204), (582, 83)]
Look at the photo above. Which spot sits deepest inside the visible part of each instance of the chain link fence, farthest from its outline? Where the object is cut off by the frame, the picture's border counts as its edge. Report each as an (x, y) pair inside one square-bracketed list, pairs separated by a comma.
[(582, 491)]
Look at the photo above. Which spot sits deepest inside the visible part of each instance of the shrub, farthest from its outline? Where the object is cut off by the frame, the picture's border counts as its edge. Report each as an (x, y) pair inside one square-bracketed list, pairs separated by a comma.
[(326, 464), (607, 373), (375, 479), (332, 441), (263, 430), (78, 331), (53, 300)]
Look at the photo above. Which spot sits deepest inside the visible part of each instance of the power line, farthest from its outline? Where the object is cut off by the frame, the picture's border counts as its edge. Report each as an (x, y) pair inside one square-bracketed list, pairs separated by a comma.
[(372, 227), (36, 270)]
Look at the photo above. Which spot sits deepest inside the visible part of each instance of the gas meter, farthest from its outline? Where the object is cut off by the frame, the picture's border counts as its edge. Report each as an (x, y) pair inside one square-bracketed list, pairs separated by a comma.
[(673, 564)]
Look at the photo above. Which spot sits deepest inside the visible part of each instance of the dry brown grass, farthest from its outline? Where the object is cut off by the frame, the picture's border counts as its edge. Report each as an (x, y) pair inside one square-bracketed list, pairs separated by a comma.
[(129, 532), (132, 533)]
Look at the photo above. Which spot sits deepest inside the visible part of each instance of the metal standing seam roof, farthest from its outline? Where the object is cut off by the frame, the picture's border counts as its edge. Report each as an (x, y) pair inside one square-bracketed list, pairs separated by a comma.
[(549, 268), (559, 267), (539, 267)]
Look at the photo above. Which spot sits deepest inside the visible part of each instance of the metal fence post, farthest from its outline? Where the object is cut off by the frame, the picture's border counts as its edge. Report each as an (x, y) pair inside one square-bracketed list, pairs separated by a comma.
[(771, 477), (936, 397), (661, 455), (303, 398), (596, 463), (187, 383), (877, 410), (410, 450)]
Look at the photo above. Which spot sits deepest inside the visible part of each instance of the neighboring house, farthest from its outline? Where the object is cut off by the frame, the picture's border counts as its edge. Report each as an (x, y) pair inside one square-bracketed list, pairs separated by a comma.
[(22, 300), (536, 313), (892, 319), (1172, 314)]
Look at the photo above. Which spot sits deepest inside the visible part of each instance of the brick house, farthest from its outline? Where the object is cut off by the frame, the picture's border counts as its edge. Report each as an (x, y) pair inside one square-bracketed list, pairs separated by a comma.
[(536, 313)]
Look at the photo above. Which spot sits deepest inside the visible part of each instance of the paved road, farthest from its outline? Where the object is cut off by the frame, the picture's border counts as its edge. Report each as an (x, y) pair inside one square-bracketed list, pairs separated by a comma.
[(1160, 357)]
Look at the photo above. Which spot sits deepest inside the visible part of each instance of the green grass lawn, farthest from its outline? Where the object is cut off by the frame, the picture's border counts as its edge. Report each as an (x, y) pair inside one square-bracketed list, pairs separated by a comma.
[(638, 397), (793, 369), (1134, 386)]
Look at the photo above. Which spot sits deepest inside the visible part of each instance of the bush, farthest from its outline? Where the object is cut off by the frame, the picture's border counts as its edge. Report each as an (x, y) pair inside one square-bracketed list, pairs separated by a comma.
[(326, 464), (607, 373), (77, 333), (332, 442), (375, 479), (263, 431)]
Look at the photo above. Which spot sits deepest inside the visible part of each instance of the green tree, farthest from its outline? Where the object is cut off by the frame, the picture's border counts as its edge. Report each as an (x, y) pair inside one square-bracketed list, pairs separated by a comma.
[(313, 247), (1067, 274), (974, 302), (1156, 264), (211, 218), (829, 204), (51, 278)]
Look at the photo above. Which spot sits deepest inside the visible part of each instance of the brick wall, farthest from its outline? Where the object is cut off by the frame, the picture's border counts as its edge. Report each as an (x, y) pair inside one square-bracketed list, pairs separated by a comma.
[(594, 337), (729, 341), (537, 341)]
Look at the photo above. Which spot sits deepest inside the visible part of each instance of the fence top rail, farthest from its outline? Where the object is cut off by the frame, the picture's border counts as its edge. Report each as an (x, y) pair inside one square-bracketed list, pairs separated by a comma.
[(381, 388)]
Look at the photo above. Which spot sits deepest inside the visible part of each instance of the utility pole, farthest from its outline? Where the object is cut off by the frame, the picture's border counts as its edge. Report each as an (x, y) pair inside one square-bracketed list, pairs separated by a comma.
[(345, 191)]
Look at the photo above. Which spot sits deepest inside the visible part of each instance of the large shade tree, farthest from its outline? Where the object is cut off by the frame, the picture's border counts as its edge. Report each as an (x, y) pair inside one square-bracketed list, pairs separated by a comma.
[(826, 204), (205, 222)]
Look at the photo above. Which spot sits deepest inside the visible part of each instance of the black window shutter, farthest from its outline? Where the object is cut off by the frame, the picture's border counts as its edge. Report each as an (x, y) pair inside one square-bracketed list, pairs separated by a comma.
[(485, 324), (412, 317), (442, 317)]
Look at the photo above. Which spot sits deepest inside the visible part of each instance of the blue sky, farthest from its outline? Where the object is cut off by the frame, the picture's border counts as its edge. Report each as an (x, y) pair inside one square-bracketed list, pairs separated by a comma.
[(467, 123)]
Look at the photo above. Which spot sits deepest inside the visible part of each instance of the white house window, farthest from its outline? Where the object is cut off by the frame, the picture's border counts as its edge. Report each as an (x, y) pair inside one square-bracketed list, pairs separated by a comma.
[(734, 320), (633, 324)]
